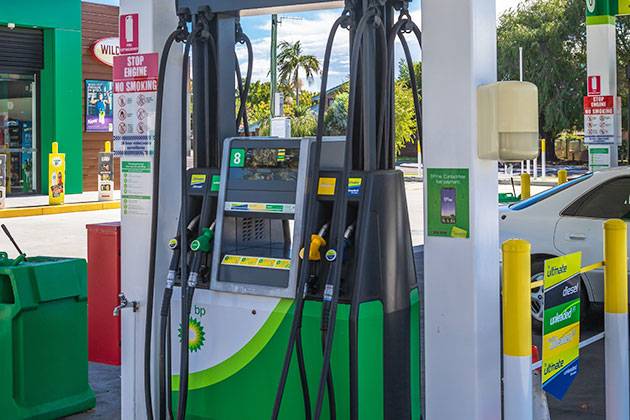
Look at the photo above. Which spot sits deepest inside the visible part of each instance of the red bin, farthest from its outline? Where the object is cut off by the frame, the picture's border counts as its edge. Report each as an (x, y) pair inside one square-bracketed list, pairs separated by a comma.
[(103, 289)]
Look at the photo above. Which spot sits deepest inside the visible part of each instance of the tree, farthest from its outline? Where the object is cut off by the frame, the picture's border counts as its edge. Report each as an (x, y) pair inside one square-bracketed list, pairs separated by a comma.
[(303, 121), (553, 36), (403, 74), (336, 116), (290, 61), (404, 115)]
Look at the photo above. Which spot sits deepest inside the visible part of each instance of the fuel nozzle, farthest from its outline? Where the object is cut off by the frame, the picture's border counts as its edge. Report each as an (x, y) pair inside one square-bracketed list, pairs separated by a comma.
[(347, 243), (317, 241), (202, 244)]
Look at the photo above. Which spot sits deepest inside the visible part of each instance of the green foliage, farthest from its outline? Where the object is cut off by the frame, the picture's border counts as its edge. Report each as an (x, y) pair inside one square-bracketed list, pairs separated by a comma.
[(336, 116), (291, 61), (404, 114), (553, 36), (403, 74)]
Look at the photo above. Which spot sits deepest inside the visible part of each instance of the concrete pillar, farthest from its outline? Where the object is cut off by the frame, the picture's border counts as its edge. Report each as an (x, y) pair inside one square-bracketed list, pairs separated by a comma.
[(601, 51), (157, 19), (462, 329)]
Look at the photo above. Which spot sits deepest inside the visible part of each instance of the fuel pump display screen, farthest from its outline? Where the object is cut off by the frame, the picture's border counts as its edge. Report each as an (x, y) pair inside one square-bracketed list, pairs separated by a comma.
[(264, 164)]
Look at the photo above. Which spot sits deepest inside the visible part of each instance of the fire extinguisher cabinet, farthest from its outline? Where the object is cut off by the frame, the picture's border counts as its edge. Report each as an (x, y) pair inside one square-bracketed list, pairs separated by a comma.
[(103, 290)]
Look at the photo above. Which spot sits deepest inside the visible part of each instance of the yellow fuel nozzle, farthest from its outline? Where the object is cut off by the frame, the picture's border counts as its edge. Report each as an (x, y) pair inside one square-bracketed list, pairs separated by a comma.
[(316, 242)]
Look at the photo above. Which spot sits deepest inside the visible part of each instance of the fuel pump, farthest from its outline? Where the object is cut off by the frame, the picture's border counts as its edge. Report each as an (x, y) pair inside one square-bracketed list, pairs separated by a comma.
[(240, 297)]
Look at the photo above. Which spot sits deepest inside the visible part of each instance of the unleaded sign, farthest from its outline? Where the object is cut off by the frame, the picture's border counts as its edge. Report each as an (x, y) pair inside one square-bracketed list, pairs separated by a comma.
[(561, 326)]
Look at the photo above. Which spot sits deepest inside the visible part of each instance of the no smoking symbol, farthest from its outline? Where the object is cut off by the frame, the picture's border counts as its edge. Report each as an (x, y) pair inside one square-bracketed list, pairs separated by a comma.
[(122, 101), (141, 100), (122, 128), (141, 113)]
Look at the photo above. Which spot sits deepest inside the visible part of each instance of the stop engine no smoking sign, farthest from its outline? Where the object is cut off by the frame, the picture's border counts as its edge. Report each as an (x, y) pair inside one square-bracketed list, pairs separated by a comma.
[(599, 119), (135, 91)]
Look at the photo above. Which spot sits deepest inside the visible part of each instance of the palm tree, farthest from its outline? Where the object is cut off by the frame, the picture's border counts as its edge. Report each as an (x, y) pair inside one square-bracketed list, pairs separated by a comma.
[(291, 60)]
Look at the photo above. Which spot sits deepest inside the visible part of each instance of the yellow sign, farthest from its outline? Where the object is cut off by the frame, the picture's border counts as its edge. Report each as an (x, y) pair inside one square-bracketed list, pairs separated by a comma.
[(197, 179), (326, 186), (624, 7), (231, 260), (283, 264), (561, 268), (248, 261), (266, 262), (56, 176), (458, 232)]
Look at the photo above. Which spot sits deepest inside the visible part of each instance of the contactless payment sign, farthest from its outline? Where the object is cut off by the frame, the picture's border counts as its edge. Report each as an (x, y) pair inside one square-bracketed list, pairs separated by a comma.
[(561, 325)]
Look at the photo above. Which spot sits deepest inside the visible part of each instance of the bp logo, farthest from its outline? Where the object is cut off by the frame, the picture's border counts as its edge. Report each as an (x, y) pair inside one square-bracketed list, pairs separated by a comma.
[(590, 5), (196, 336), (56, 161)]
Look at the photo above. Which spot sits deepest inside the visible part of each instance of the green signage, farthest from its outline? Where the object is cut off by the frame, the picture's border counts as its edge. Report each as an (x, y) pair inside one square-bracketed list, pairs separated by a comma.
[(237, 158), (216, 182), (605, 8), (448, 203)]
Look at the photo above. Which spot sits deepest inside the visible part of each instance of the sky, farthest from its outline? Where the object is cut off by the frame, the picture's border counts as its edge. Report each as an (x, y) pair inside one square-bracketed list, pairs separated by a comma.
[(311, 29)]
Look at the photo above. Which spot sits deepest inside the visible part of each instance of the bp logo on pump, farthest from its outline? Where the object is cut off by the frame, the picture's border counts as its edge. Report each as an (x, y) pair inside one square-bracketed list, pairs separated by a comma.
[(590, 5), (196, 335)]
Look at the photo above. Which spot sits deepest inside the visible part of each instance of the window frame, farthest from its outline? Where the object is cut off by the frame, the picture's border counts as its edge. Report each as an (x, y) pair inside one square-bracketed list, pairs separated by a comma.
[(573, 208)]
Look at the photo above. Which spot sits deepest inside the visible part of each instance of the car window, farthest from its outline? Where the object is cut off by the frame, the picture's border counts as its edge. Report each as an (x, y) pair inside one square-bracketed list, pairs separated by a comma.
[(548, 193), (611, 200)]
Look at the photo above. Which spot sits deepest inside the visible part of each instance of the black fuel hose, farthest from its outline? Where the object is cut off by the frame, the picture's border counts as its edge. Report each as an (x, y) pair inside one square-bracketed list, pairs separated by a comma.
[(183, 369), (244, 90), (181, 28), (311, 196), (331, 293)]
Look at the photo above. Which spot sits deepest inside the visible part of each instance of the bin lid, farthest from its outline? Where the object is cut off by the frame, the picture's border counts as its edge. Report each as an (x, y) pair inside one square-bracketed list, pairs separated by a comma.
[(103, 227)]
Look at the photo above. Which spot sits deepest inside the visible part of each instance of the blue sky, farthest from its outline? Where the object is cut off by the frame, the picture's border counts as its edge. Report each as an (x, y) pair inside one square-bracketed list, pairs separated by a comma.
[(312, 28)]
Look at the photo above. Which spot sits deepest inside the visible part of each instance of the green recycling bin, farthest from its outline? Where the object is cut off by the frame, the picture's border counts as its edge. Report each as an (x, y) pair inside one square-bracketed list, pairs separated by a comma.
[(43, 338)]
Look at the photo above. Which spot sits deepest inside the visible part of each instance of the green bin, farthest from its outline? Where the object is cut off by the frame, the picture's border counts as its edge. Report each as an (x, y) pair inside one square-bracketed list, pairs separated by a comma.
[(43, 338)]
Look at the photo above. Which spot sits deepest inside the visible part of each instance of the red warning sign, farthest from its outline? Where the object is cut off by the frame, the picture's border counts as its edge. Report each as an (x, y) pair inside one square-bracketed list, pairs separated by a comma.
[(128, 33), (594, 85)]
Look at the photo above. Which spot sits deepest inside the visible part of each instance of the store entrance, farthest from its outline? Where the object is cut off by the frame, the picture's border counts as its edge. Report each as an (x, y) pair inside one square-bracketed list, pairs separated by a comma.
[(18, 131)]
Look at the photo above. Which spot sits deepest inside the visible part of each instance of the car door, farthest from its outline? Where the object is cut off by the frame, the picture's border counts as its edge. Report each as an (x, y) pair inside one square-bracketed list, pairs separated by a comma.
[(580, 227)]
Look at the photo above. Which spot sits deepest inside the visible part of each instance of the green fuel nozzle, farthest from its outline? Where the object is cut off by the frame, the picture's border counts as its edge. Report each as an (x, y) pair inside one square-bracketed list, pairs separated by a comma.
[(204, 242)]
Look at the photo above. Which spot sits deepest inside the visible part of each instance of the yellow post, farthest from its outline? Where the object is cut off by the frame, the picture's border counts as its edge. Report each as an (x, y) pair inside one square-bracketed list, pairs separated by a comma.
[(108, 147), (562, 176), (56, 175), (616, 343), (526, 189), (615, 267), (517, 330)]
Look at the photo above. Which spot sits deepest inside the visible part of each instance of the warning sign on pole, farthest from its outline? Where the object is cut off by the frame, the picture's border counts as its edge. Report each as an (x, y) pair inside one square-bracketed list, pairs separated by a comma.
[(135, 91), (128, 33), (599, 119)]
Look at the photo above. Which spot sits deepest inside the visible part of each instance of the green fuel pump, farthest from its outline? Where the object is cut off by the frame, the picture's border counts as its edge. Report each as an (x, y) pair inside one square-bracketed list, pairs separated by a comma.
[(258, 286)]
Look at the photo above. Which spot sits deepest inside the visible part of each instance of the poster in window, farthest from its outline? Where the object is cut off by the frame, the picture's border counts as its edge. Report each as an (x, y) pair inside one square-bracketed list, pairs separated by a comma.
[(99, 115)]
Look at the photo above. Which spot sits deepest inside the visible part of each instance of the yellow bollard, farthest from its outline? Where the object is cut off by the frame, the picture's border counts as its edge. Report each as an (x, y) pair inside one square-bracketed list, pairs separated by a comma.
[(517, 330), (526, 189), (562, 176), (108, 147), (616, 343), (615, 267)]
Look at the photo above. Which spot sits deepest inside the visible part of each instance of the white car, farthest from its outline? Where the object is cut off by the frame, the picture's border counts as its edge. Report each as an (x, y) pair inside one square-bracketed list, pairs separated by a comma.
[(566, 219)]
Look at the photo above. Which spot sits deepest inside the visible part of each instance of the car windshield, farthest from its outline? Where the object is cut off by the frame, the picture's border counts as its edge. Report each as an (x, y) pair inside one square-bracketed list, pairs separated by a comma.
[(547, 193)]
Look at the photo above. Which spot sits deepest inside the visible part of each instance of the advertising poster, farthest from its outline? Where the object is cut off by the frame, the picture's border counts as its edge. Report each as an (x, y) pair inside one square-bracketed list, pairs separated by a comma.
[(99, 110), (448, 203), (561, 327)]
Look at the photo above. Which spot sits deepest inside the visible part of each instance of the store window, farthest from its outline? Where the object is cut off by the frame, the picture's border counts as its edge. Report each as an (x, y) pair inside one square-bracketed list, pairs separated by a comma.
[(18, 131)]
